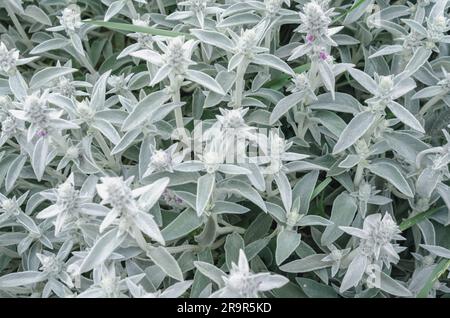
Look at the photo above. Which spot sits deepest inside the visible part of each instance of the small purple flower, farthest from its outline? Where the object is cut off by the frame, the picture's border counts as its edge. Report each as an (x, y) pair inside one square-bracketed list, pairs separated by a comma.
[(178, 200), (41, 133), (171, 199), (310, 38), (323, 55)]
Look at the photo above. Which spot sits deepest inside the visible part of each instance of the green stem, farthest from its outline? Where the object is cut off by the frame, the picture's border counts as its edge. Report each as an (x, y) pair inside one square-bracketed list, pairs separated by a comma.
[(406, 224)]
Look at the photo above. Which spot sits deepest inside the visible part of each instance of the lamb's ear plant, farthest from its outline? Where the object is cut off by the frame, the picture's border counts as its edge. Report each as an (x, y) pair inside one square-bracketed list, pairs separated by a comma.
[(217, 148)]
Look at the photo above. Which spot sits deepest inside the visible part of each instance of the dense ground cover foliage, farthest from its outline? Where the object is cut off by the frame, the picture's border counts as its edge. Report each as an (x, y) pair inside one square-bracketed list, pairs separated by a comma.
[(262, 148)]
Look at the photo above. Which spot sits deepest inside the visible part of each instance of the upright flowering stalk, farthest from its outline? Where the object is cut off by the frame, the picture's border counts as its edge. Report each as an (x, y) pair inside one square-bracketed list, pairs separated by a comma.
[(273, 15), (315, 20), (271, 11), (385, 90), (246, 48), (70, 22), (274, 152), (174, 64)]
